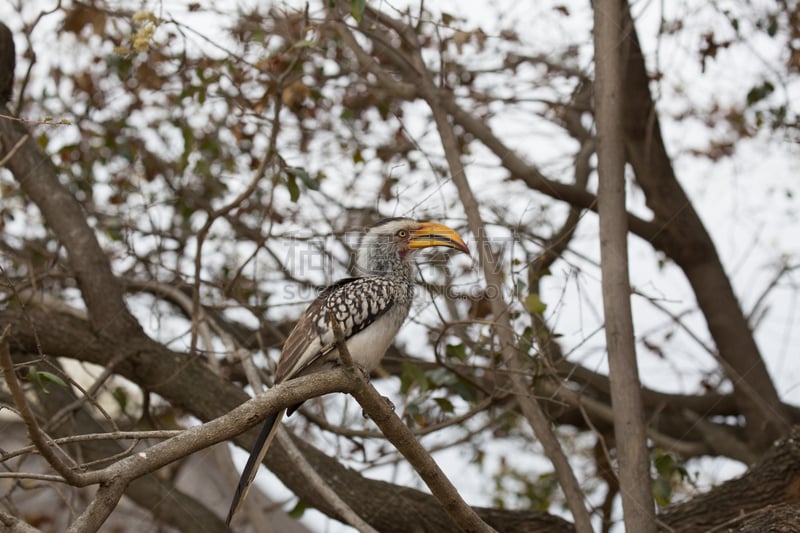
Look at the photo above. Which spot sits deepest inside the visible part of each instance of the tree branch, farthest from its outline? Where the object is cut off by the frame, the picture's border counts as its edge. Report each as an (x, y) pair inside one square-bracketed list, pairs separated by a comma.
[(682, 235), (324, 489), (376, 407), (206, 396), (105, 500), (35, 175), (12, 524), (415, 68), (35, 433), (626, 399)]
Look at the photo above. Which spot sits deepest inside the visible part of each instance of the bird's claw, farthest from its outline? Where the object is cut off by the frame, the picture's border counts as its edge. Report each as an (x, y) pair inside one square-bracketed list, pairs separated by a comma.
[(389, 403), (385, 399)]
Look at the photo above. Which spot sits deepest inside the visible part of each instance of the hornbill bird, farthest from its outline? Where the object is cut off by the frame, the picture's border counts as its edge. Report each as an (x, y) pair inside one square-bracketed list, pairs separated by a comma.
[(369, 309)]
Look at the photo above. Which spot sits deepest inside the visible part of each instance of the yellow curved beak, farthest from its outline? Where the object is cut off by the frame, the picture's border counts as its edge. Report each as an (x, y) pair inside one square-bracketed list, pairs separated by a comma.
[(434, 234)]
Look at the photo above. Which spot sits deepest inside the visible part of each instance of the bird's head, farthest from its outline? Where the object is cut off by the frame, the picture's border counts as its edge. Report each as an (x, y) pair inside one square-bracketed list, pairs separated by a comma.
[(392, 242)]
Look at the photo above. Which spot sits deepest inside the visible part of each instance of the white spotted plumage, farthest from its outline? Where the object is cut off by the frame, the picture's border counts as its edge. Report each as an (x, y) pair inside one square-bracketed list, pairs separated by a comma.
[(370, 309), (356, 304)]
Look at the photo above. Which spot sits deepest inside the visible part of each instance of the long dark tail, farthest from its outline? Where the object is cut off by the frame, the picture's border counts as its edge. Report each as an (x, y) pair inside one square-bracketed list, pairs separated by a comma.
[(268, 431)]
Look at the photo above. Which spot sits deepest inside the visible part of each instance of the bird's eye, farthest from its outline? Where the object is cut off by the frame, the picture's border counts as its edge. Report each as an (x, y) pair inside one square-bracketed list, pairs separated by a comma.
[(402, 234)]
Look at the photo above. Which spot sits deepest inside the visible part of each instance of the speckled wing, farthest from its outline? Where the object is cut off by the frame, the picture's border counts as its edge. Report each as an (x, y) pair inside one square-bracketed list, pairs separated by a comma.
[(356, 303)]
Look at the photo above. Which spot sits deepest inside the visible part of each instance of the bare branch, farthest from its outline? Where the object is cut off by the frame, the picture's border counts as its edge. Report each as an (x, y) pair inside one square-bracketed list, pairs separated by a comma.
[(320, 485), (12, 524), (528, 404), (380, 412), (227, 426), (35, 433), (100, 289), (112, 435), (105, 500), (14, 149), (633, 455)]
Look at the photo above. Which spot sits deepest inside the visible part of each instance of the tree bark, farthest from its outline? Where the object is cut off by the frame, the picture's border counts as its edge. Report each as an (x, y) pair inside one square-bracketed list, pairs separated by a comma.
[(749, 499), (8, 61), (626, 399)]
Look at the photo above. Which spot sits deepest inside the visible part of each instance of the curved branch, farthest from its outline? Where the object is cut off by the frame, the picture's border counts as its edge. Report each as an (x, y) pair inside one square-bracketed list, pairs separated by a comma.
[(414, 69), (34, 172), (207, 396), (35, 433), (682, 235), (403, 439)]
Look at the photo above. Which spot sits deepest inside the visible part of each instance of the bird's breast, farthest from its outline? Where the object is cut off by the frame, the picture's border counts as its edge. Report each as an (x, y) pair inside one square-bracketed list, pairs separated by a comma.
[(368, 346)]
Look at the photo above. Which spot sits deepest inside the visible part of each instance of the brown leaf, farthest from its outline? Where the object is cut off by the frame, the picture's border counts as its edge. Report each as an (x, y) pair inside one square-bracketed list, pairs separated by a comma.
[(294, 95), (81, 16)]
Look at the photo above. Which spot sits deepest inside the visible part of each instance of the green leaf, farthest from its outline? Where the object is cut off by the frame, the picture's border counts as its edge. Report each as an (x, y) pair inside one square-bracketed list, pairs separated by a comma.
[(444, 404), (526, 340), (410, 376), (759, 92), (305, 44), (298, 510), (464, 390), (662, 491), (294, 190), (440, 376), (49, 376), (534, 304), (357, 9), (121, 396), (40, 376), (664, 465), (456, 351), (307, 180), (521, 285)]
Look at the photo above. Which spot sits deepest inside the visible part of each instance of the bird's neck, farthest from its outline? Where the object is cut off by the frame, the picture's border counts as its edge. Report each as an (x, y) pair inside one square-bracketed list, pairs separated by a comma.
[(386, 266)]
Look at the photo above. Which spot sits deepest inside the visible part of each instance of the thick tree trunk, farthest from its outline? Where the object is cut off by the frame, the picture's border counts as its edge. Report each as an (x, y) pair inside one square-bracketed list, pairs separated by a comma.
[(65, 217), (749, 499)]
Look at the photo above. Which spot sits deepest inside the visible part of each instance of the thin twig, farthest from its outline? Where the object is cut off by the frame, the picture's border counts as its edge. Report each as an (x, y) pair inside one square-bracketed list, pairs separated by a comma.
[(321, 486), (14, 149), (406, 443), (419, 432), (50, 478), (89, 395), (112, 435), (35, 433), (530, 408)]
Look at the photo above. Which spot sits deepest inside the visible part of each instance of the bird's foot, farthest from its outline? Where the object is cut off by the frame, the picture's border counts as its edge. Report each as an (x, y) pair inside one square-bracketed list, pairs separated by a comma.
[(389, 402), (385, 399)]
